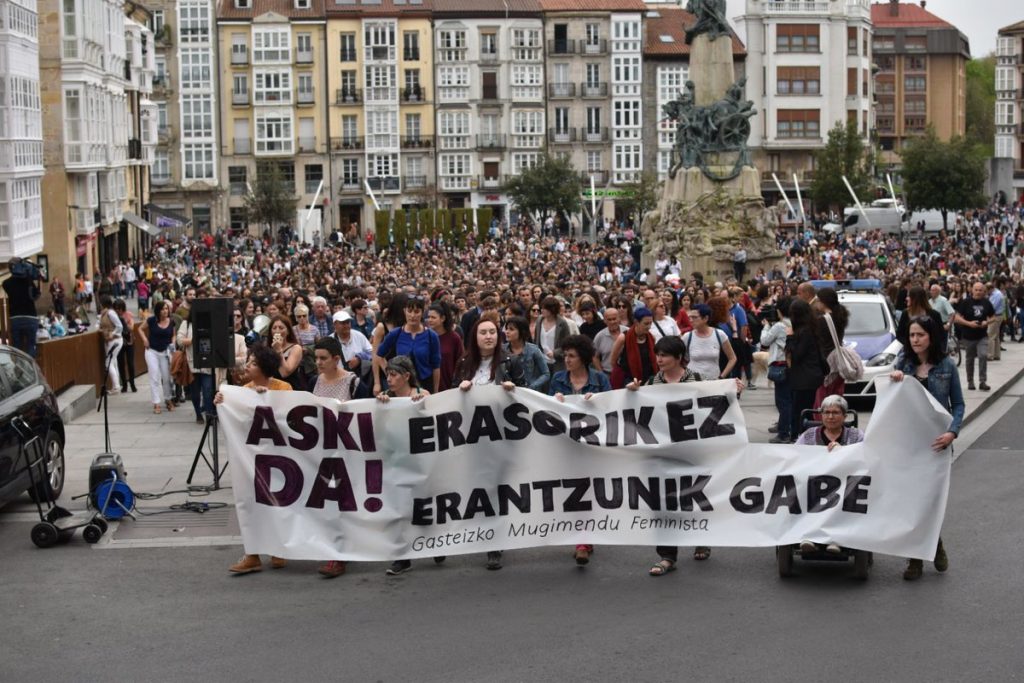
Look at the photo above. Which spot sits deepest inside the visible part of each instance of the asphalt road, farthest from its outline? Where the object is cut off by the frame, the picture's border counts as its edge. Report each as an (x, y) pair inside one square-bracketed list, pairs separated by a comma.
[(76, 613)]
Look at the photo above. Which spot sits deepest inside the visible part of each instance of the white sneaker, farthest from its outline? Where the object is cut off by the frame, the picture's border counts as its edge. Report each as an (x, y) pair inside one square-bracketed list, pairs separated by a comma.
[(808, 547), (833, 548)]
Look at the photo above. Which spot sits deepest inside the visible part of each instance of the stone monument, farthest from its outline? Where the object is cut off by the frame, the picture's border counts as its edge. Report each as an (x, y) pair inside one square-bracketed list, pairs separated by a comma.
[(711, 202)]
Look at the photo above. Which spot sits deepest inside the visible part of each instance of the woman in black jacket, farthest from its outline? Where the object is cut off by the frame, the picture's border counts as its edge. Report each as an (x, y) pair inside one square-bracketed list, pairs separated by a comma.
[(807, 367)]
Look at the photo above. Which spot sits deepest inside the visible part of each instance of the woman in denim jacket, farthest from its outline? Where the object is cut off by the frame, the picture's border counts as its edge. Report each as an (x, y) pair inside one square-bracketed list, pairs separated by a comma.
[(927, 362)]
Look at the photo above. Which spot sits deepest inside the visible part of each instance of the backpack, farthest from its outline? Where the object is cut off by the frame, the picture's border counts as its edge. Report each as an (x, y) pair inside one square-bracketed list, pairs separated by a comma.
[(722, 339), (307, 366), (842, 361)]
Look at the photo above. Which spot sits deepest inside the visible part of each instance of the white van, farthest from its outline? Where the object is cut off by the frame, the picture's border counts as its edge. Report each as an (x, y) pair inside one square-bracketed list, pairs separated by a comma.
[(932, 220), (882, 214)]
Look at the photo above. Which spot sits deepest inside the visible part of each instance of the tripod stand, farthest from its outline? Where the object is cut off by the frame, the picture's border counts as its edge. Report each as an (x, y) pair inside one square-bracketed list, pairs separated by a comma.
[(102, 404), (209, 440)]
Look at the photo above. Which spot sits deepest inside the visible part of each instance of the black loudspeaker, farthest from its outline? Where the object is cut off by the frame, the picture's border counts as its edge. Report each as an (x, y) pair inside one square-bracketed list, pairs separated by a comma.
[(213, 339)]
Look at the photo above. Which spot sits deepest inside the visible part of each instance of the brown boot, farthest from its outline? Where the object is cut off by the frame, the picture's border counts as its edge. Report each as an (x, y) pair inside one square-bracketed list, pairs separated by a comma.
[(913, 571), (277, 562), (246, 565), (333, 569)]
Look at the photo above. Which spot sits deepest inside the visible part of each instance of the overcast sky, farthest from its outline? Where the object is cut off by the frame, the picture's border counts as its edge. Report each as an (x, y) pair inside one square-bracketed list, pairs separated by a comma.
[(978, 19)]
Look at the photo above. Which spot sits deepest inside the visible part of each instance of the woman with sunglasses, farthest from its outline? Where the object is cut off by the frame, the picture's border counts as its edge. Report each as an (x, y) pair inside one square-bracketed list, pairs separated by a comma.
[(306, 333), (927, 362)]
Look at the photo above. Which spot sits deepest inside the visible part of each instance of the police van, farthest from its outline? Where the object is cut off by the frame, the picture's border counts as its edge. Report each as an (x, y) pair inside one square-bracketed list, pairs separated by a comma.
[(871, 331)]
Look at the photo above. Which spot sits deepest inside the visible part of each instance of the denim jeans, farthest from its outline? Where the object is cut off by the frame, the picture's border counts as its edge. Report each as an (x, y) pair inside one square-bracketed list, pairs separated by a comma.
[(202, 394), (23, 333), (784, 404)]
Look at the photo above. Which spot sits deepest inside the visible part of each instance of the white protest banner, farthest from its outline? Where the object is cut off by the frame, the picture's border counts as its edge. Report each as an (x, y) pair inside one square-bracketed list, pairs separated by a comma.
[(468, 472)]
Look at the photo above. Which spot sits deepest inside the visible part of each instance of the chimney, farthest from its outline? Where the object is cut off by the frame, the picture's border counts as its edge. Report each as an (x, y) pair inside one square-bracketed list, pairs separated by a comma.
[(894, 8), (924, 3)]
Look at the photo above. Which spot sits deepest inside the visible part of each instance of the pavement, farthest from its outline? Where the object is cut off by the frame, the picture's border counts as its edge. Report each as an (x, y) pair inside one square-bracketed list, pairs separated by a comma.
[(158, 451)]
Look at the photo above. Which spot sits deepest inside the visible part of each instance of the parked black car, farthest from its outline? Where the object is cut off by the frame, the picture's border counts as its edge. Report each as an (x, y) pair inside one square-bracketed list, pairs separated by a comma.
[(24, 393)]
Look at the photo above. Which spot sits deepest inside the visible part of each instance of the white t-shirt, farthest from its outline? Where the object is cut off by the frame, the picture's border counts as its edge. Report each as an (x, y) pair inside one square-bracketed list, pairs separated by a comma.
[(547, 338), (668, 326), (483, 373), (703, 352)]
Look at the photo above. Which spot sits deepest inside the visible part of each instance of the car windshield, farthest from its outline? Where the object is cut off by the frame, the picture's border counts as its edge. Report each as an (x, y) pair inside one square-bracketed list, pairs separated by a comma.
[(867, 319)]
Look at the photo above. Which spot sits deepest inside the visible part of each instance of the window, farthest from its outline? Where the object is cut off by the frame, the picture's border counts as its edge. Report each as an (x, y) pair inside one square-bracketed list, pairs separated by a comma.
[(915, 43), (914, 63), (526, 45), (1006, 78), (305, 87), (915, 105), (453, 83), (239, 49), (801, 80), (239, 219), (302, 4), (161, 116), (412, 89), (348, 83), (198, 161), (914, 124), (593, 37), (195, 69), (349, 127), (455, 170), (561, 120), (194, 22), (274, 133), (528, 127), (593, 75), (238, 180), (797, 38), (272, 87), (453, 129), (314, 176), (626, 113), (348, 47), (914, 83), (158, 21), (413, 126), (627, 160), (488, 45), (304, 47), (1005, 113), (271, 45), (522, 161), (240, 88), (626, 69), (851, 40), (382, 128), (287, 171), (20, 374), (411, 45), (196, 116), (161, 172), (594, 162), (799, 123), (526, 81), (350, 172), (379, 39), (451, 45), (380, 83)]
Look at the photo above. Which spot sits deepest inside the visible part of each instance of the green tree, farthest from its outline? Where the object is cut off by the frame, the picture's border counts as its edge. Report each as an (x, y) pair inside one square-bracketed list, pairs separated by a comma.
[(845, 154), (552, 185), (641, 196), (947, 176), (270, 201), (981, 104)]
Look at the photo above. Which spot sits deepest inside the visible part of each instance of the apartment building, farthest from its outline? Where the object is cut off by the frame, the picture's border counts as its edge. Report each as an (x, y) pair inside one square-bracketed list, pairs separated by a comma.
[(666, 70), (21, 132), (808, 68), (380, 84), (921, 79), (186, 175), (1010, 104), (97, 65), (273, 82), (594, 52), (489, 60)]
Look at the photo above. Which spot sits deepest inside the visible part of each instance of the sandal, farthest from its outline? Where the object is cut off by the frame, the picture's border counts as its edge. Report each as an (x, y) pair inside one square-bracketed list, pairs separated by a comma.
[(156, 410), (663, 566), (170, 406), (701, 553)]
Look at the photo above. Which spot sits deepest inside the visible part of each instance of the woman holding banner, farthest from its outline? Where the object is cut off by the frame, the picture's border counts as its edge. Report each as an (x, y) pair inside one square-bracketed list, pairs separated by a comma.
[(672, 358), (581, 379), (403, 382), (927, 362), (261, 365), (485, 362)]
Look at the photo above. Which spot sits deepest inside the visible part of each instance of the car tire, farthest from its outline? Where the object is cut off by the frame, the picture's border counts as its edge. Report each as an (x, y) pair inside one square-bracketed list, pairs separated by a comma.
[(51, 484)]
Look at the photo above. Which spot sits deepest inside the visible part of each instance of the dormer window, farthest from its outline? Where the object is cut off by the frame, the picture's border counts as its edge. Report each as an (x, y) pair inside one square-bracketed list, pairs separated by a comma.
[(243, 4), (302, 4)]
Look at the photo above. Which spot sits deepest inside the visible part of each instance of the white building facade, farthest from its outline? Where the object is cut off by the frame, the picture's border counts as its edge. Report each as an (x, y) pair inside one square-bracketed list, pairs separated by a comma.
[(198, 76), (800, 55), (21, 131), (627, 103)]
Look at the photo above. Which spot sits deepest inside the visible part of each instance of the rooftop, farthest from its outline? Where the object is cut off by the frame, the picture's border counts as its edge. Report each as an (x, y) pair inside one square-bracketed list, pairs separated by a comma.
[(666, 32), (593, 5), (226, 9), (379, 8), (1013, 28), (909, 15)]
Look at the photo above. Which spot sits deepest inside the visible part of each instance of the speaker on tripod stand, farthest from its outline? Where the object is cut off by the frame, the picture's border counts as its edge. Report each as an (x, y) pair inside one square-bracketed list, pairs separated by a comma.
[(213, 348)]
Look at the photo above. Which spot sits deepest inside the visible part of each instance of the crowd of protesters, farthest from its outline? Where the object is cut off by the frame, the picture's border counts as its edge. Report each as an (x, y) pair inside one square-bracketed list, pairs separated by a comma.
[(559, 315)]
